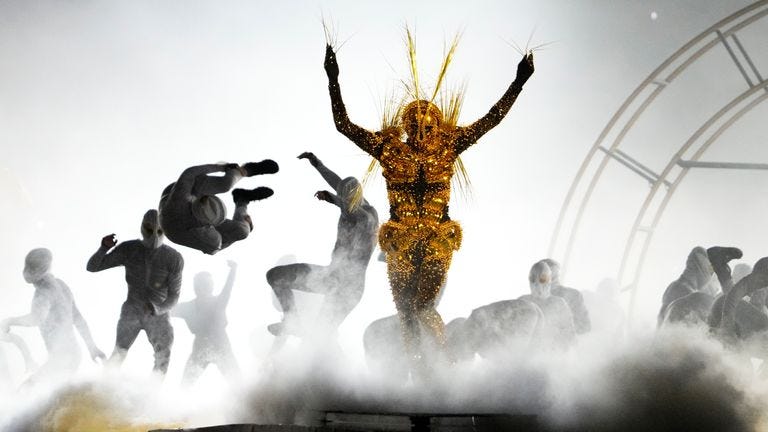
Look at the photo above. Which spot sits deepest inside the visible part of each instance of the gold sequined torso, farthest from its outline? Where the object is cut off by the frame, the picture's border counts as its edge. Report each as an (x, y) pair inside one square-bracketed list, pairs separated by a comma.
[(418, 178)]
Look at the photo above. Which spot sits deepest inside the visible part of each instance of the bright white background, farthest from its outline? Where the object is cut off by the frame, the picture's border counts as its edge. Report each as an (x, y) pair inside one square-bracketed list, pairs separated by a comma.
[(102, 104)]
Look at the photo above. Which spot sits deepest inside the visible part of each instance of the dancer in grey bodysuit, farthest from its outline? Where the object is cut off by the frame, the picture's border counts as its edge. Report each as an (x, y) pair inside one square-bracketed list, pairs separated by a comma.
[(153, 273), (572, 296), (54, 311), (206, 317), (343, 280), (192, 215), (557, 329)]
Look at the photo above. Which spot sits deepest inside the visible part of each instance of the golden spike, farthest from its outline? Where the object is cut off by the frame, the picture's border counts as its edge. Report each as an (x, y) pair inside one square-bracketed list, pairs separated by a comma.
[(372, 170), (357, 198), (451, 103), (461, 179), (412, 61), (331, 37), (446, 61)]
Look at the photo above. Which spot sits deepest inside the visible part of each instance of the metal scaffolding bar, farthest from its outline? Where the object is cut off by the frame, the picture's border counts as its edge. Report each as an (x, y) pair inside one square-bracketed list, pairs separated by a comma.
[(722, 165), (641, 166), (746, 57), (629, 165), (734, 58)]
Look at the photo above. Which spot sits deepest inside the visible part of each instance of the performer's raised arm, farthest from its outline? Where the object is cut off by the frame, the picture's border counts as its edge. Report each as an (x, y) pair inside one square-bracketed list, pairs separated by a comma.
[(368, 141), (329, 176), (468, 135)]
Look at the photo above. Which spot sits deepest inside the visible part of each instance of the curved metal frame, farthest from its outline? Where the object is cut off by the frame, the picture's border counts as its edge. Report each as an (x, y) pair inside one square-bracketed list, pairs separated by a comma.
[(652, 86)]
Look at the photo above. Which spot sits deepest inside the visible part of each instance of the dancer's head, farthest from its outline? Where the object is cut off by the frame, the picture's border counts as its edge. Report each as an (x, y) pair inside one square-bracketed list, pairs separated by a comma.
[(37, 264), (151, 233), (554, 266), (350, 193), (698, 266), (203, 283), (540, 280), (421, 118)]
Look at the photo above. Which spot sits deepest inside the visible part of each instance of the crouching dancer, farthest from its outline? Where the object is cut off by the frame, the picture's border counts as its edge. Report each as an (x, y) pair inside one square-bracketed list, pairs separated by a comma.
[(343, 280)]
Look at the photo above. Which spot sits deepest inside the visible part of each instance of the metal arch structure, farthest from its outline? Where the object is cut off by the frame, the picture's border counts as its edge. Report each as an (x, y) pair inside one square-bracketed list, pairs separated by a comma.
[(667, 181)]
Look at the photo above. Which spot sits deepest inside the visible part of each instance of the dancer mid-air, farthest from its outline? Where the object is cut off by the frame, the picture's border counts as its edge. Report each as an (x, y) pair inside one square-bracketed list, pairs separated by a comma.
[(417, 155), (192, 215)]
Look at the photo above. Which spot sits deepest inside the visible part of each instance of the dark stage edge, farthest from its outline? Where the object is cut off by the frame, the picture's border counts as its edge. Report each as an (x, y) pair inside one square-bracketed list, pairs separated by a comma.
[(364, 422)]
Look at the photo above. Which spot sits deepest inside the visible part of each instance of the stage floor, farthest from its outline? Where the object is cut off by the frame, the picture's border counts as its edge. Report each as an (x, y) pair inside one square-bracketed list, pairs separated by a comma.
[(414, 422)]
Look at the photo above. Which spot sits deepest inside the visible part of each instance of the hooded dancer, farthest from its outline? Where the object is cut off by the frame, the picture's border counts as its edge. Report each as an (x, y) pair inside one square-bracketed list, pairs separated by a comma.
[(697, 274), (572, 296), (420, 237), (55, 313), (153, 273), (557, 329), (206, 317), (343, 280), (192, 215), (749, 317), (734, 327)]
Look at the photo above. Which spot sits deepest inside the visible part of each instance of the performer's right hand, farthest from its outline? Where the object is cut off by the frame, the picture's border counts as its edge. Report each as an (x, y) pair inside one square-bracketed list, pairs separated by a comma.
[(331, 67), (109, 241)]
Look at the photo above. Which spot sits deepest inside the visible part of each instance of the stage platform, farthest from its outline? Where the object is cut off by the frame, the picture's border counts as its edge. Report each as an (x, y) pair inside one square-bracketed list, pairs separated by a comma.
[(410, 422)]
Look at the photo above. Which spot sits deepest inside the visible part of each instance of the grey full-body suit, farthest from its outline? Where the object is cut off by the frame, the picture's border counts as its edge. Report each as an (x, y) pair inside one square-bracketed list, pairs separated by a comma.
[(55, 313), (686, 299), (343, 280), (572, 296), (495, 330), (192, 215), (153, 274), (746, 332), (206, 318), (557, 329), (208, 231), (731, 315)]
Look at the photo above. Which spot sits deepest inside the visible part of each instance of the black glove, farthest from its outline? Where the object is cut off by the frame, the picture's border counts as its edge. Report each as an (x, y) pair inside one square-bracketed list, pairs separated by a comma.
[(524, 69), (331, 67)]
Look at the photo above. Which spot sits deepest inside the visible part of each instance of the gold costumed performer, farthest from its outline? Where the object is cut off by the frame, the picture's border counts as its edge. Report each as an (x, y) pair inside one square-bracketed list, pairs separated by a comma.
[(417, 156)]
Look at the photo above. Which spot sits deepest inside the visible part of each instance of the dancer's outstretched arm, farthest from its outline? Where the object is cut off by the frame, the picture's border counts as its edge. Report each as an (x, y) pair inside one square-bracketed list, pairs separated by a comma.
[(85, 333), (468, 135), (226, 292), (101, 260), (329, 198), (329, 176), (368, 141)]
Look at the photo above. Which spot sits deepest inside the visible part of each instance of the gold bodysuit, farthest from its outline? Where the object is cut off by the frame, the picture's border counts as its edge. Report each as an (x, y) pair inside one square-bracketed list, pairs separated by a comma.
[(420, 238)]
